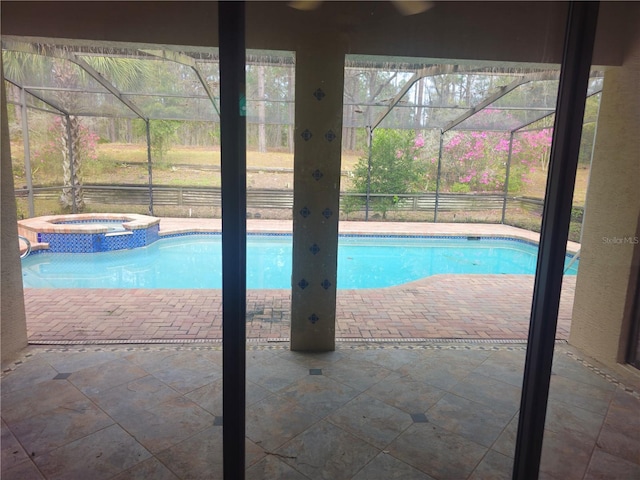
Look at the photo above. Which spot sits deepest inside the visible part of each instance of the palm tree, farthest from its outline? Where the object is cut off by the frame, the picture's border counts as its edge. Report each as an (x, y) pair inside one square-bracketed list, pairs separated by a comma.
[(67, 77), (23, 62)]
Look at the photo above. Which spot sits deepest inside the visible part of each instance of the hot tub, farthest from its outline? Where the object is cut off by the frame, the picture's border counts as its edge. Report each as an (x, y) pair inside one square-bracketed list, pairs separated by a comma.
[(89, 233)]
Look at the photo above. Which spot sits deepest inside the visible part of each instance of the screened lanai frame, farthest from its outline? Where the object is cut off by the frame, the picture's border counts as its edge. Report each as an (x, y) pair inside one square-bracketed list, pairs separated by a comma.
[(96, 95), (506, 117), (99, 96)]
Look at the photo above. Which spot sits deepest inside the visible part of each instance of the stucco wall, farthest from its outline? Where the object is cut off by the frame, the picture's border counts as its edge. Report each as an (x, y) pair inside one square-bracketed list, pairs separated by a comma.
[(13, 327), (606, 279)]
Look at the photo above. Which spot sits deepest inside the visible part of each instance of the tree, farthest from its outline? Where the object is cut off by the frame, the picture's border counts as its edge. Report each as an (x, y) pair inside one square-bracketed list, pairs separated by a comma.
[(162, 134), (262, 131), (363, 89), (269, 89), (474, 161), (588, 130), (30, 62), (536, 146), (396, 168), (66, 76)]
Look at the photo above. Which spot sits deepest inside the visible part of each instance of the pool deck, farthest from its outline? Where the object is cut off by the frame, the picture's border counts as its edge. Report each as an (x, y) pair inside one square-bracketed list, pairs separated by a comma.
[(370, 410), (464, 307)]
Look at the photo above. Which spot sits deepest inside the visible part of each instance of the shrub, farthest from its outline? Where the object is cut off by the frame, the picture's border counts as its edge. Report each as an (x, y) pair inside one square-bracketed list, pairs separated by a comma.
[(460, 188), (397, 167)]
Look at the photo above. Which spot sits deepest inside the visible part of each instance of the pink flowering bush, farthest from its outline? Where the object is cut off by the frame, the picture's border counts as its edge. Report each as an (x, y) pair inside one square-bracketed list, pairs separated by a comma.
[(476, 161), (532, 154), (47, 154), (536, 146), (403, 162)]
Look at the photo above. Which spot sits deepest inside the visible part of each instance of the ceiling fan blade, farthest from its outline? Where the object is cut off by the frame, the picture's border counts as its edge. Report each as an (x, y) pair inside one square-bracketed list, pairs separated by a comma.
[(305, 5), (405, 7), (412, 7)]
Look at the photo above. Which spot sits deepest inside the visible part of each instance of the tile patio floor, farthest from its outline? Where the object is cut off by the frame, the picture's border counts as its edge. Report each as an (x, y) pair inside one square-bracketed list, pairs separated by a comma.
[(364, 412), (443, 306)]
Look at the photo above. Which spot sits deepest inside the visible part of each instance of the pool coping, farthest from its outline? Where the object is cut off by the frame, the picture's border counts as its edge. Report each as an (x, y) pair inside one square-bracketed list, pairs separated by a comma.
[(171, 226), (186, 226)]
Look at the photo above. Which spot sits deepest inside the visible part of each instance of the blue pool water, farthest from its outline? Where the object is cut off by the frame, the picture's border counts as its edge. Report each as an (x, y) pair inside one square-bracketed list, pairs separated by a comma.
[(195, 261)]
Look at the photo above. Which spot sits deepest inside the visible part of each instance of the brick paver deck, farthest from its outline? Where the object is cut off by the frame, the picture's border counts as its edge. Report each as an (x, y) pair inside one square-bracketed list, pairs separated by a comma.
[(442, 306)]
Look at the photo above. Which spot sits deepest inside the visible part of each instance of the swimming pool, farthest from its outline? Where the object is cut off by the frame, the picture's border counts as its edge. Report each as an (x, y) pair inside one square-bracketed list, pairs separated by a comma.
[(195, 261)]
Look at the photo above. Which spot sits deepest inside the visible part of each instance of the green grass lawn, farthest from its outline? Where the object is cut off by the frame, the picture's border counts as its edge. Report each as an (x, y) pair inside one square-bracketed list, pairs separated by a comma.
[(116, 153), (119, 164), (539, 181), (124, 163), (130, 153)]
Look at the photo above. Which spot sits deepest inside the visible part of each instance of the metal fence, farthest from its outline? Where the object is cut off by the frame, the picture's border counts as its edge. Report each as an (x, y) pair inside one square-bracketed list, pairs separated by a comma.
[(283, 199)]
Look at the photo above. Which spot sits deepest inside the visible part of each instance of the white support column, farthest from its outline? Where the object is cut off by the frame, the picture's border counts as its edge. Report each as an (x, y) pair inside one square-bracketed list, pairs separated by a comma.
[(13, 322), (318, 140)]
